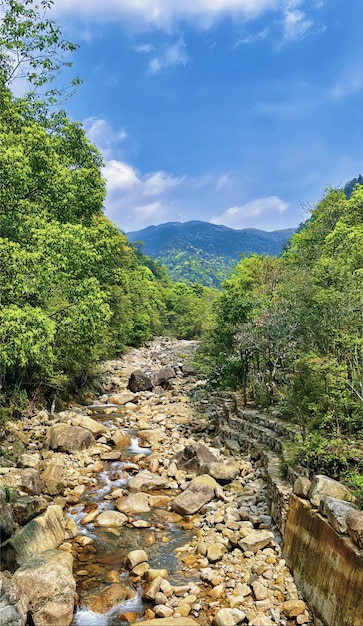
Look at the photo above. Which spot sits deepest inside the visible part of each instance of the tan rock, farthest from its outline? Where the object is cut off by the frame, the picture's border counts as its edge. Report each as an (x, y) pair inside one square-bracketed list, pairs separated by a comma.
[(27, 480), (355, 527), (123, 398), (135, 503), (302, 487), (169, 621), (97, 428), (146, 481), (201, 490), (66, 438), (47, 580), (111, 518), (104, 600), (215, 552), (120, 438), (228, 617), (161, 610), (14, 604), (256, 540), (261, 592), (323, 486), (135, 557), (52, 479), (293, 608)]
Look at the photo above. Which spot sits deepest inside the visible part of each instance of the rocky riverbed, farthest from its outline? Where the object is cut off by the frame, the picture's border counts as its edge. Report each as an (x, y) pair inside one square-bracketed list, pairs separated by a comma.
[(131, 510)]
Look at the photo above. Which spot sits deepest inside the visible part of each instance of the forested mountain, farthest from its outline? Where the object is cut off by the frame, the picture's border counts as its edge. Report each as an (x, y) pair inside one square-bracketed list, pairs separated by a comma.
[(198, 251)]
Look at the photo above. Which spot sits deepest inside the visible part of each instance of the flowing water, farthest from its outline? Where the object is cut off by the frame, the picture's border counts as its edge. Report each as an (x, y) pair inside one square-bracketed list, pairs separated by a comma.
[(110, 546)]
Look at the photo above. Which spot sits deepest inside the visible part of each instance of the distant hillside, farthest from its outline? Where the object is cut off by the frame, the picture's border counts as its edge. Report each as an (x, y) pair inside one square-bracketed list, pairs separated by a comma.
[(202, 252)]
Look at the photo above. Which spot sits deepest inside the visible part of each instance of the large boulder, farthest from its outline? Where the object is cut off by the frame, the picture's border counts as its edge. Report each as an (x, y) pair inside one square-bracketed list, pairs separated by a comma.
[(163, 375), (122, 398), (256, 540), (52, 479), (201, 490), (355, 527), (111, 518), (336, 511), (322, 486), (66, 438), (193, 457), (25, 508), (14, 603), (147, 481), (47, 581), (27, 480), (139, 381), (44, 532), (135, 503), (223, 473), (103, 600)]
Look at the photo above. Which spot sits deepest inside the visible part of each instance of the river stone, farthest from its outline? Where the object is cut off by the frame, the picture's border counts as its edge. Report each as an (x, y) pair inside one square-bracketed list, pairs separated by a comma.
[(25, 508), (215, 552), (261, 620), (261, 592), (163, 375), (168, 621), (355, 527), (336, 511), (47, 580), (135, 503), (97, 428), (161, 610), (52, 479), (30, 460), (102, 601), (293, 608), (122, 398), (152, 435), (14, 603), (146, 481), (201, 490), (7, 521), (228, 617), (323, 486), (256, 540), (66, 438), (139, 381), (222, 472), (135, 557), (27, 480), (193, 457), (111, 518), (44, 532)]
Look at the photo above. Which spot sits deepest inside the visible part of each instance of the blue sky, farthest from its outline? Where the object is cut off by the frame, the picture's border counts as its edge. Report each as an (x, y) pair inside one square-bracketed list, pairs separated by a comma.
[(237, 112)]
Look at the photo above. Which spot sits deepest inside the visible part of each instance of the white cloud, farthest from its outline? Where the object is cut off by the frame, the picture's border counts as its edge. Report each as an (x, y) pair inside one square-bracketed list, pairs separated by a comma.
[(223, 181), (172, 54), (158, 183), (119, 176), (163, 14), (350, 81), (144, 48), (296, 24), (260, 36), (246, 216), (103, 135)]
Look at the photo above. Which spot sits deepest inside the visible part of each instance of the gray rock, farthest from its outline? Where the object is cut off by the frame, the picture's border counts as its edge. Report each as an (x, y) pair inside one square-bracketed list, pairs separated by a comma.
[(14, 603), (354, 522), (146, 481), (47, 581), (193, 457), (223, 473), (323, 486), (139, 381), (336, 511), (25, 508), (52, 479), (302, 486), (27, 480), (163, 375), (7, 520)]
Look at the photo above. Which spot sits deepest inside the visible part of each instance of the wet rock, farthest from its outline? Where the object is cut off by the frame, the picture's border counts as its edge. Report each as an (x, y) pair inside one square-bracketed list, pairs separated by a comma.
[(323, 486), (150, 590), (111, 518), (120, 438), (27, 480), (14, 603), (256, 540), (228, 617), (135, 557), (146, 481), (135, 503), (97, 428), (68, 439), (201, 490), (193, 457), (47, 581), (52, 479), (223, 473), (354, 522), (44, 532), (139, 381), (25, 508), (104, 600)]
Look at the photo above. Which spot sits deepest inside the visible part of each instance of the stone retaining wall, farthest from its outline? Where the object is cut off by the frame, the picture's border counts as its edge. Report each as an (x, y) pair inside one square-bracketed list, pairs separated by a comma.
[(327, 564)]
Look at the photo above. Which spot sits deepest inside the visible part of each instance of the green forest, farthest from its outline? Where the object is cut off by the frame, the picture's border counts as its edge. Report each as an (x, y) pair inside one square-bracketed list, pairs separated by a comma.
[(286, 331)]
